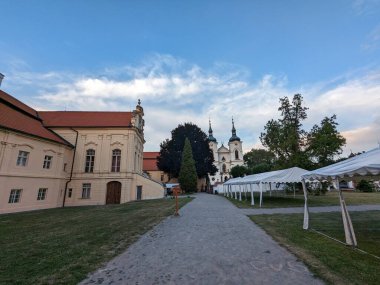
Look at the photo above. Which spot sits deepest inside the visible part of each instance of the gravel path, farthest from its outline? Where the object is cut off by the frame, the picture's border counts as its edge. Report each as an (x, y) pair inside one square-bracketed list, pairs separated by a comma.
[(212, 242), (324, 209)]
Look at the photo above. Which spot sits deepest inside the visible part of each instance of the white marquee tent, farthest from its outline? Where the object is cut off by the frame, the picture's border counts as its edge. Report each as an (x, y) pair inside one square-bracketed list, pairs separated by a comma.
[(365, 164), (262, 182)]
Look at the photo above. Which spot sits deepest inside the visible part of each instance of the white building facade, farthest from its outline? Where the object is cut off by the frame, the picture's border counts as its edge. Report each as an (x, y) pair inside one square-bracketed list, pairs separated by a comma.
[(225, 157)]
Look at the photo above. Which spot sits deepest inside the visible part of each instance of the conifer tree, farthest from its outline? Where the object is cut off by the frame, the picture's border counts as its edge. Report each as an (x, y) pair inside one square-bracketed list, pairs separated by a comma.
[(188, 173)]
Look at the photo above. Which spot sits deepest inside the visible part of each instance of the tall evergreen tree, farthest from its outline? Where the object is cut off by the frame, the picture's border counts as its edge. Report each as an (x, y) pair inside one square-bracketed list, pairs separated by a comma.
[(169, 159), (187, 174)]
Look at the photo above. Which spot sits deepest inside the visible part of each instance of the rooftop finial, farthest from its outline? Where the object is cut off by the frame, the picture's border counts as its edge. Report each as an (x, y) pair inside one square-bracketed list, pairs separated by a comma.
[(139, 102), (234, 137), (210, 135)]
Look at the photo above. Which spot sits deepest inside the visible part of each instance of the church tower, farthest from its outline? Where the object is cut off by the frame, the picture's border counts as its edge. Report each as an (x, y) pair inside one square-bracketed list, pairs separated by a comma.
[(212, 142), (225, 157), (235, 147)]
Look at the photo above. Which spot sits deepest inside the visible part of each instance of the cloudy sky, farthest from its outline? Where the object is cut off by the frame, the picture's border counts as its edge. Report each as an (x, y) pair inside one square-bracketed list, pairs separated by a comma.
[(189, 61)]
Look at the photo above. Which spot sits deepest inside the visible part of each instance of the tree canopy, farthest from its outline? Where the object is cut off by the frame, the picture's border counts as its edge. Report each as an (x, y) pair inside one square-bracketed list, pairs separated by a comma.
[(293, 146), (324, 142), (187, 174), (169, 159)]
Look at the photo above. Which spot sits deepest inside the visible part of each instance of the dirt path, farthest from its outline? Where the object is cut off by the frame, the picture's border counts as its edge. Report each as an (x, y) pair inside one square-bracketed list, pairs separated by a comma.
[(212, 242)]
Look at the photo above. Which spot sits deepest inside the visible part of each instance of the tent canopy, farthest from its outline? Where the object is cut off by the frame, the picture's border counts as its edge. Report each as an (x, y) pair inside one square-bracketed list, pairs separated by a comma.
[(367, 163), (289, 175)]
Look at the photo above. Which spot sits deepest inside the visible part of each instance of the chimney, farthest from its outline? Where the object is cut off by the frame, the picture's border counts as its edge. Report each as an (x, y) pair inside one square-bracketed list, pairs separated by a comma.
[(1, 78)]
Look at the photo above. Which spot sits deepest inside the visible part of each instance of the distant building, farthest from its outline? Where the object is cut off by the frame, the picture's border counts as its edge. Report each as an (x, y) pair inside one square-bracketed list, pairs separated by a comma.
[(225, 157), (51, 159), (150, 167)]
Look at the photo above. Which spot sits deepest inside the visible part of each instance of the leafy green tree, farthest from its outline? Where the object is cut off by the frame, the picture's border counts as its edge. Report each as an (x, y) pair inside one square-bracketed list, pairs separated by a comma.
[(258, 156), (187, 174), (365, 186), (324, 142), (169, 159), (260, 168), (238, 171), (285, 137)]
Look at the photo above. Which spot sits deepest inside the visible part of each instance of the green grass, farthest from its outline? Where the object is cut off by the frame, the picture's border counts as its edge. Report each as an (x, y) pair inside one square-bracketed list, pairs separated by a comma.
[(334, 262), (60, 246), (279, 200)]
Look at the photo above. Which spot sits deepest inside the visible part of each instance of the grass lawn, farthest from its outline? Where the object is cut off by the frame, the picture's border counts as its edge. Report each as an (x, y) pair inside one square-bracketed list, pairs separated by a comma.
[(278, 200), (60, 246), (332, 261)]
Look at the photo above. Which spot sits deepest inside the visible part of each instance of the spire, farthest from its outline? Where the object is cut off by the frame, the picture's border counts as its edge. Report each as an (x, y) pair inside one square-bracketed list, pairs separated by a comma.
[(210, 135), (234, 137), (233, 127)]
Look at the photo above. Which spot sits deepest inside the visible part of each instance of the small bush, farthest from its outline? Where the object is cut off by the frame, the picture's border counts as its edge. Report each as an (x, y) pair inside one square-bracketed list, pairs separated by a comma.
[(365, 186)]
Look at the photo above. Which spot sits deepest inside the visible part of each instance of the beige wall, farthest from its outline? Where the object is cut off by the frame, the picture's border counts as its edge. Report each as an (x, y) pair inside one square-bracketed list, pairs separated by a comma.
[(103, 141), (156, 175), (32, 176)]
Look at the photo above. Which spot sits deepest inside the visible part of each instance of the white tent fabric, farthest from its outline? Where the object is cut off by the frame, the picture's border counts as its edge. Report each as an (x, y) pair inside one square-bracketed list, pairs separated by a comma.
[(367, 163), (364, 164), (289, 175), (258, 182)]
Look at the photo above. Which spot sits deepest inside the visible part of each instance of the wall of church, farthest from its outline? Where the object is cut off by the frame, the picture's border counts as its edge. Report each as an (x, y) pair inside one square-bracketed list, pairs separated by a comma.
[(33, 172)]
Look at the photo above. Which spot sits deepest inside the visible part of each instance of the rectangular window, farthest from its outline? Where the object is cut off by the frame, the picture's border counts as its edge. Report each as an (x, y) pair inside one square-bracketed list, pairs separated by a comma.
[(22, 158), (47, 161), (116, 158), (86, 190), (42, 194), (70, 193), (90, 159), (64, 166), (15, 196)]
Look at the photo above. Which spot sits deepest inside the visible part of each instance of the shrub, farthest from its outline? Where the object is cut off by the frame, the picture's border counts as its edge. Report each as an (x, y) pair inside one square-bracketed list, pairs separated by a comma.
[(365, 186)]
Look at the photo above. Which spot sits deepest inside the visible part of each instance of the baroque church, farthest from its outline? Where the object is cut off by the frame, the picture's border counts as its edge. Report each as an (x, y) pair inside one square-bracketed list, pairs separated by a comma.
[(225, 157)]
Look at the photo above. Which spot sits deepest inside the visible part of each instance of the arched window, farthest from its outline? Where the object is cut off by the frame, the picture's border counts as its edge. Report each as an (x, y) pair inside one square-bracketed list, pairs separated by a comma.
[(116, 158), (224, 168), (90, 159), (236, 154)]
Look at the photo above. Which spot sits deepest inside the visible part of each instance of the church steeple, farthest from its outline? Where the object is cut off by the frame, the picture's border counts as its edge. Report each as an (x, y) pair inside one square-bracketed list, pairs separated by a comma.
[(234, 137), (210, 135)]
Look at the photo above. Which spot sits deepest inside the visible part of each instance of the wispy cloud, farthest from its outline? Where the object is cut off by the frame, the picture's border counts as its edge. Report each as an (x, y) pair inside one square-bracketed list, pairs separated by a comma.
[(175, 91), (373, 40), (364, 7)]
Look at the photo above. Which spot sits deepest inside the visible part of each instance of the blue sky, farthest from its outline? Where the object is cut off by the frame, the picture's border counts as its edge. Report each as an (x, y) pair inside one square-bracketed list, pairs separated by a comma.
[(191, 60)]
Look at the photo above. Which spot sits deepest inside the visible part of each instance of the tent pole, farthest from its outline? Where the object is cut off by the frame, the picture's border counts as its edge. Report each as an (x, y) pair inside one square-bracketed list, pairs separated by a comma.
[(294, 190), (348, 228), (306, 208), (261, 194), (270, 189), (239, 192), (235, 192), (252, 197), (245, 191)]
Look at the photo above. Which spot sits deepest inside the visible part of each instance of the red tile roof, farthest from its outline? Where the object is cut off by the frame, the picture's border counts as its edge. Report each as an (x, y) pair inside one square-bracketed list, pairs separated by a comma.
[(13, 119), (150, 161), (16, 103), (85, 119)]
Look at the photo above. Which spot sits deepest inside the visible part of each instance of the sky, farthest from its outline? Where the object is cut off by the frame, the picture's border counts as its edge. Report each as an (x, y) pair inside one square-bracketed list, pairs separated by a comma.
[(191, 61)]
